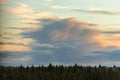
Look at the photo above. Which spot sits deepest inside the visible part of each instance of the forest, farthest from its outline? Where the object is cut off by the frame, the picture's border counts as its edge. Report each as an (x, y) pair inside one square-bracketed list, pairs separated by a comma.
[(59, 72)]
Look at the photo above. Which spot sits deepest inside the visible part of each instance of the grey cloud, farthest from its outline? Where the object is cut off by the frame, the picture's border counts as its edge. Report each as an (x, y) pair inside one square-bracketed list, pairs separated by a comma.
[(58, 56), (111, 32), (14, 58), (64, 55), (97, 12), (113, 55), (61, 25), (78, 42), (76, 48), (94, 11)]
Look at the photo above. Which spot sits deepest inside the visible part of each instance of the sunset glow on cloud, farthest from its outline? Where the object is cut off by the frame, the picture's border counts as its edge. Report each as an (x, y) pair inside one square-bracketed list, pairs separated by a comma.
[(9, 47), (45, 31)]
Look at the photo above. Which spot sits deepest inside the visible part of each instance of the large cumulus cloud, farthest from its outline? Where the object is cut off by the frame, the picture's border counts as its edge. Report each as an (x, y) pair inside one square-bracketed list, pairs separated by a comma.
[(84, 36), (43, 38)]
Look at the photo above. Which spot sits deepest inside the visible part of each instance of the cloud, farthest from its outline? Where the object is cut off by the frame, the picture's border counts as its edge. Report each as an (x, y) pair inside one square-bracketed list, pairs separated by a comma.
[(43, 38), (44, 45), (112, 40), (12, 40), (91, 10), (111, 32), (28, 15), (111, 55), (81, 35), (10, 47), (97, 11), (22, 11), (12, 36), (9, 57), (73, 30)]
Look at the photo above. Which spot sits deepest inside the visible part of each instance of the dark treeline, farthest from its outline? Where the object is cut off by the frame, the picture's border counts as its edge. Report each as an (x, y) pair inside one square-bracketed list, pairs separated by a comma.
[(60, 72)]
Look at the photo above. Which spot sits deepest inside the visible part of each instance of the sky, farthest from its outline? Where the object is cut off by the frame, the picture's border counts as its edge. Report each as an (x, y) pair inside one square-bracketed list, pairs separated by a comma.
[(36, 32)]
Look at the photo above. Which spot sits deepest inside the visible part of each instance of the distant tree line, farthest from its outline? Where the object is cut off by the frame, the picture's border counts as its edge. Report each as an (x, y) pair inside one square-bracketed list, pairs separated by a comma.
[(60, 72)]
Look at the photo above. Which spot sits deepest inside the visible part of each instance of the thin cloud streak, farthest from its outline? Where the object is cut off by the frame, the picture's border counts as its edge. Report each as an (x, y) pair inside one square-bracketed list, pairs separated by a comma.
[(110, 32), (29, 15), (92, 11), (10, 47), (104, 12)]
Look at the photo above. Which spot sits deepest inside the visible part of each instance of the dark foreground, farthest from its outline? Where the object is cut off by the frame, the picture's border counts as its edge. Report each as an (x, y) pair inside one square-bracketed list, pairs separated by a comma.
[(60, 73)]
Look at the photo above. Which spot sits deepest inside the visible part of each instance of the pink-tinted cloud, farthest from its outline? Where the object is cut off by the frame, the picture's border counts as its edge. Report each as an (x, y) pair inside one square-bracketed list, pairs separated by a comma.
[(62, 30), (71, 29), (10, 47), (24, 11), (75, 30), (11, 37), (30, 17), (111, 40)]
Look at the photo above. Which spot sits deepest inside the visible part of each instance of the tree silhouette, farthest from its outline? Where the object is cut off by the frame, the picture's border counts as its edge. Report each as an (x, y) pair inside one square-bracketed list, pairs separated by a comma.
[(60, 72)]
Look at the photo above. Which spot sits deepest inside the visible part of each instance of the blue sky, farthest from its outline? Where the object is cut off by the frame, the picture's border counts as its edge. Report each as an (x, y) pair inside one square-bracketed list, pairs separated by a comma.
[(65, 32)]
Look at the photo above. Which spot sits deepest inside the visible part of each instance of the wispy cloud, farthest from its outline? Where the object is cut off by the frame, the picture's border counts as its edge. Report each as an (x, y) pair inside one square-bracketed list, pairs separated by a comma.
[(12, 37), (43, 45), (91, 10), (10, 47), (111, 32), (29, 15), (97, 11)]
